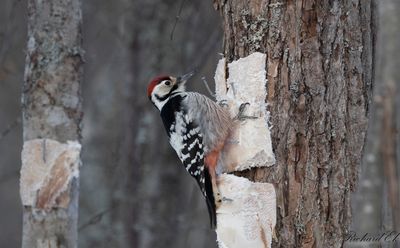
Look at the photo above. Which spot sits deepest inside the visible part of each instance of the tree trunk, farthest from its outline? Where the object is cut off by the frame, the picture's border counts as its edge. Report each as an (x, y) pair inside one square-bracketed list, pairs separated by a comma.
[(319, 69), (51, 105)]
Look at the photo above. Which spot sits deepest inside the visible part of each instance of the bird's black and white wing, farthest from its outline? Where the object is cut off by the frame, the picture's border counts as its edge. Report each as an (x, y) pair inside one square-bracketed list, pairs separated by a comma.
[(186, 138)]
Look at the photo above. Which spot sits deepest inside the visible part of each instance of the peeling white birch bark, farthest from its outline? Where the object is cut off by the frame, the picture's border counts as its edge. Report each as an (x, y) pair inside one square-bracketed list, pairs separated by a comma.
[(249, 219), (48, 168), (250, 143)]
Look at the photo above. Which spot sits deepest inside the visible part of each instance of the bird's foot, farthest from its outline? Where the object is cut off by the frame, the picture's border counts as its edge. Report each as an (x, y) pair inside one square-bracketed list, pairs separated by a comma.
[(223, 103), (241, 116), (225, 199)]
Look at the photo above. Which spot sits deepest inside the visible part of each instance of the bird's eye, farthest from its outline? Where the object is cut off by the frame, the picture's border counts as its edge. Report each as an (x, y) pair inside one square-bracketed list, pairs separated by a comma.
[(167, 83)]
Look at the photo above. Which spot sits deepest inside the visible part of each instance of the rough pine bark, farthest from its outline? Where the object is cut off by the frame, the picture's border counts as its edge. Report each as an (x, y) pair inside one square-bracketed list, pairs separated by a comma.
[(51, 105), (320, 72)]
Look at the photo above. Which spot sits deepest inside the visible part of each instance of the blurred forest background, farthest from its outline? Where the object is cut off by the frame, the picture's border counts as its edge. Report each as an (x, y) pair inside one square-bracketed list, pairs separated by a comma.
[(134, 191)]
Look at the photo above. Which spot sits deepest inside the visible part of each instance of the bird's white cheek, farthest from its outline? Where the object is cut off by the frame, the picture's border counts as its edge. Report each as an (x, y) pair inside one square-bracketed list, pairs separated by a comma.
[(157, 102)]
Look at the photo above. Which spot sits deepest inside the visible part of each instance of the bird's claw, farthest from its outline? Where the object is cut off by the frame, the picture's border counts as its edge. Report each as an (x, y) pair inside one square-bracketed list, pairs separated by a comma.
[(241, 116), (242, 107), (223, 103), (226, 199)]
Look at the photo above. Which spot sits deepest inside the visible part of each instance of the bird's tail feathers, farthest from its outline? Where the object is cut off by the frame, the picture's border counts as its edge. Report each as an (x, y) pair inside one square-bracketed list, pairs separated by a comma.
[(210, 199)]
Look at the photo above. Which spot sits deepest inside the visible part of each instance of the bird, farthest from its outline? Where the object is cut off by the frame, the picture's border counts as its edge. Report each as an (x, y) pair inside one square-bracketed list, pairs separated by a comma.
[(197, 129)]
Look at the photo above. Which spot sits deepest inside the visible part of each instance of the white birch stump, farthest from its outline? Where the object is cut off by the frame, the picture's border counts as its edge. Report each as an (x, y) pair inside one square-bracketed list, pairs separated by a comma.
[(48, 169), (248, 220)]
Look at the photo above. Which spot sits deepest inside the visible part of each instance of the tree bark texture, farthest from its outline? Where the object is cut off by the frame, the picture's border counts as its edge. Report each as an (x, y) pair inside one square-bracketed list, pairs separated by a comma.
[(320, 70), (51, 105)]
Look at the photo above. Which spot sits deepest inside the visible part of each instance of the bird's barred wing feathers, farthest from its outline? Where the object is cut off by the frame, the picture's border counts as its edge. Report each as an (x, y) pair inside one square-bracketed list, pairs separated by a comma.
[(213, 120), (192, 152), (192, 156)]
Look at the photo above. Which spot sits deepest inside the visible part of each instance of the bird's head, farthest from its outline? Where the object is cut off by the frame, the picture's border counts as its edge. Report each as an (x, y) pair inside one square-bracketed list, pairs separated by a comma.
[(162, 87)]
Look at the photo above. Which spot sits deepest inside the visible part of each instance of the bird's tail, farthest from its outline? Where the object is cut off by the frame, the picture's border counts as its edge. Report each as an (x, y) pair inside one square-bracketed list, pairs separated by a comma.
[(210, 199)]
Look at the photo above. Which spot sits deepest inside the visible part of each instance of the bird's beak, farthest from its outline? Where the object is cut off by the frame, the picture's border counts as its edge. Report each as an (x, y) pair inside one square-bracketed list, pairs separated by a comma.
[(182, 79)]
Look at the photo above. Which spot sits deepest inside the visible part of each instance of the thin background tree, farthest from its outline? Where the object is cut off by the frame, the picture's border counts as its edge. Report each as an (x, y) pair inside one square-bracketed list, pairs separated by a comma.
[(51, 107)]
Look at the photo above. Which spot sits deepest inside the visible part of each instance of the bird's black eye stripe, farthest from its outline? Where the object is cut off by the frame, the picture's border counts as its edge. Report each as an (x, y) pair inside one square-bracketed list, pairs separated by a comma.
[(165, 97), (161, 98)]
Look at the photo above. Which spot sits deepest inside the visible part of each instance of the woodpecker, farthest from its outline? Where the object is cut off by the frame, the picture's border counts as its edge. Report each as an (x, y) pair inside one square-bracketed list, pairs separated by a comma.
[(197, 129)]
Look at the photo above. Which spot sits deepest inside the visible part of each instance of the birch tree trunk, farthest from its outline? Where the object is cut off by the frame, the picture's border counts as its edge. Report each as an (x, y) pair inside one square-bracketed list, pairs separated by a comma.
[(51, 105), (320, 70)]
